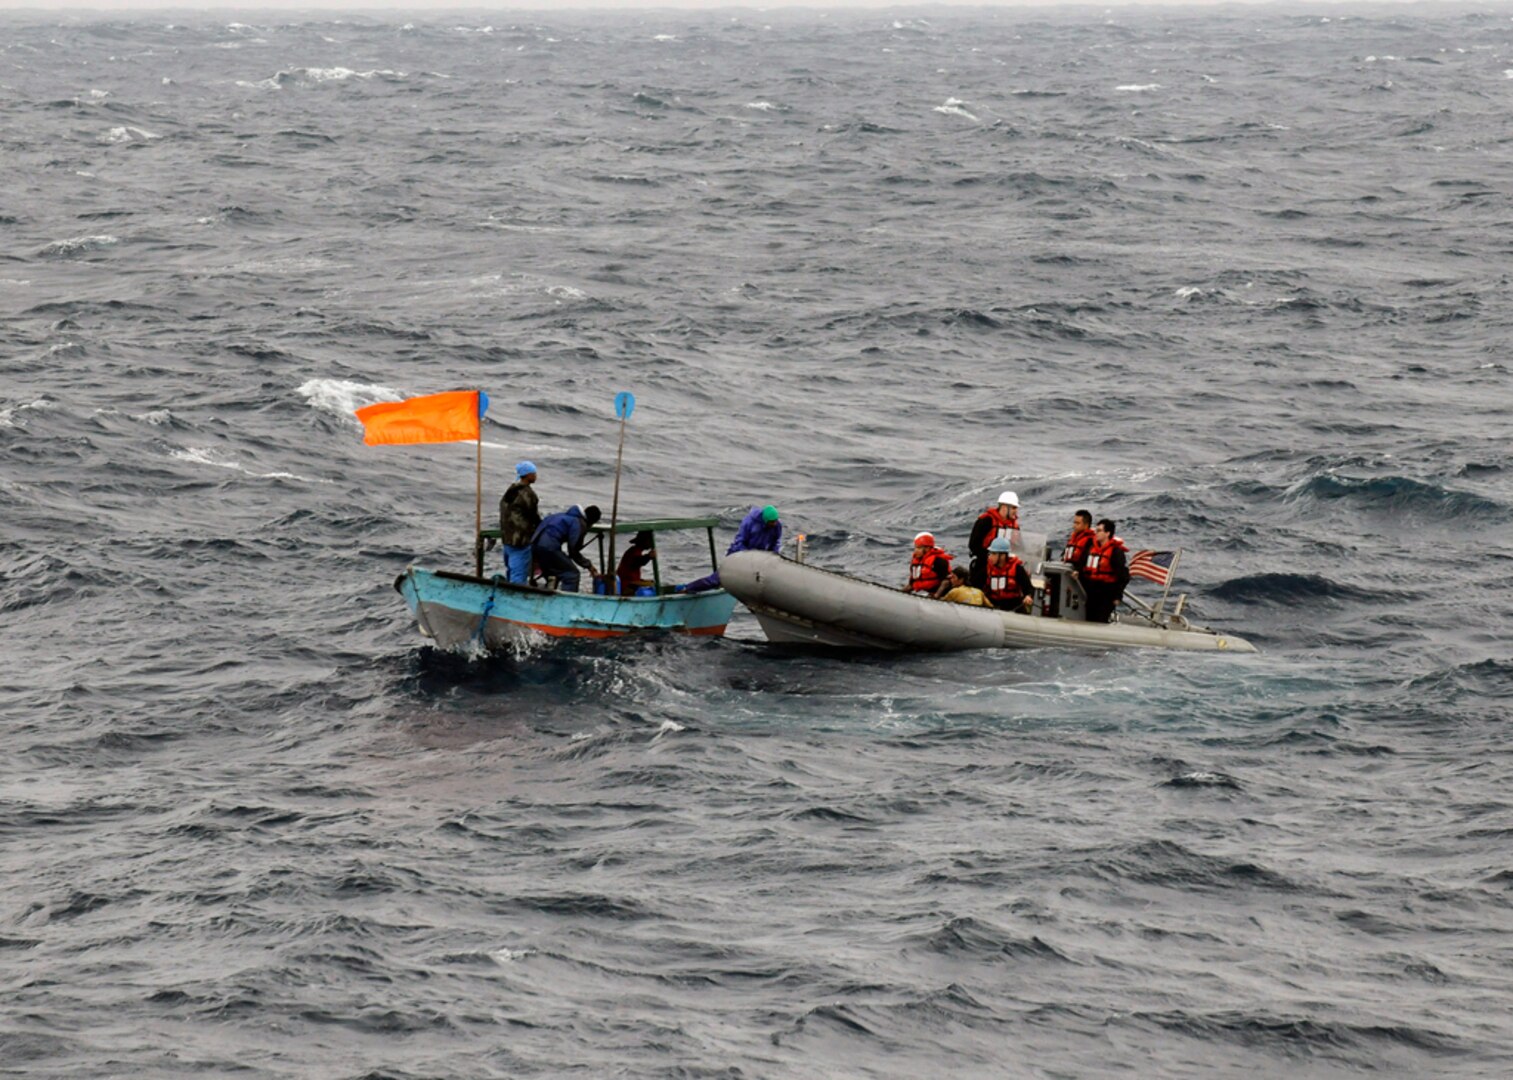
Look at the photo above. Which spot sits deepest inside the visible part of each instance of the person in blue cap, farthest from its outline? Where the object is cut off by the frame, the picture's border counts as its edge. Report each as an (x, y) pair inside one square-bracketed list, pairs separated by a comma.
[(1006, 581), (762, 530), (518, 521)]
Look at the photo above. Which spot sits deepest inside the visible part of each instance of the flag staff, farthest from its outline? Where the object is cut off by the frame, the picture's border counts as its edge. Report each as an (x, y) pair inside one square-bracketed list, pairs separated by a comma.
[(625, 404), (1171, 572), (478, 502), (451, 416)]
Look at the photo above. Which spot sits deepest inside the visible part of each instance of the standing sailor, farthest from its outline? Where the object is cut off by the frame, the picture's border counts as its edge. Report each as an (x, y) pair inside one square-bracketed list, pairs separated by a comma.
[(571, 529), (1079, 541), (994, 522), (1008, 582), (518, 519), (1106, 573)]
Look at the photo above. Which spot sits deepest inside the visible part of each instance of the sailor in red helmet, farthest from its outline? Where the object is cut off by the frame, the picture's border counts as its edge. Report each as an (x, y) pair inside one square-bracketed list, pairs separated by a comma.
[(1105, 574), (1008, 582), (1001, 520), (929, 569)]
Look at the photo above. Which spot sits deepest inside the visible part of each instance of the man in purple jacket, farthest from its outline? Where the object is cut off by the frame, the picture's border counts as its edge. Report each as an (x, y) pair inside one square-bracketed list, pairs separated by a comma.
[(760, 531)]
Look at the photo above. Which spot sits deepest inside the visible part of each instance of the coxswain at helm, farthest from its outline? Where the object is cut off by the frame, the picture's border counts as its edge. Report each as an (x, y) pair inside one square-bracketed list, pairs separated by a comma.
[(1000, 520), (929, 568), (1079, 541)]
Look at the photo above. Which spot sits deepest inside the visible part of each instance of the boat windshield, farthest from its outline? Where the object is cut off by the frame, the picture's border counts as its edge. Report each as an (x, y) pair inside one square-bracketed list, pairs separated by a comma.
[(1031, 547)]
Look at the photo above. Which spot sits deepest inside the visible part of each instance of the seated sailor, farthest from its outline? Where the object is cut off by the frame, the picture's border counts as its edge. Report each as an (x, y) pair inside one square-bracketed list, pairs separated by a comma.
[(963, 593), (568, 529), (1008, 582), (930, 567), (642, 549), (762, 530)]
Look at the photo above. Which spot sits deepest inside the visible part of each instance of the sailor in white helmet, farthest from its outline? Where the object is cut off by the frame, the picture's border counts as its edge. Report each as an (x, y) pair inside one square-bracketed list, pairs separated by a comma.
[(999, 521)]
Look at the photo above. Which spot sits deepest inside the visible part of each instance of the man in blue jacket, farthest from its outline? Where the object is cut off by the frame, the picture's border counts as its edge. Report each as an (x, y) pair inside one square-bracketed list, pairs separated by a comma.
[(760, 531), (568, 528)]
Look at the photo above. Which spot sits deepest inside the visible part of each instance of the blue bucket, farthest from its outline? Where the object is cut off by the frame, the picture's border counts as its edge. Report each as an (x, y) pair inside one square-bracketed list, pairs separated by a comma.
[(646, 590)]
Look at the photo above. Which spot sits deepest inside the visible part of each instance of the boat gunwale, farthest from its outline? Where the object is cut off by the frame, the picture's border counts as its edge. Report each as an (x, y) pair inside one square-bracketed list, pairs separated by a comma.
[(500, 582)]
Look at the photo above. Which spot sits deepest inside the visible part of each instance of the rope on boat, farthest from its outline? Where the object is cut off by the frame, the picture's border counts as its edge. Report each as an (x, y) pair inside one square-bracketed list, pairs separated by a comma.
[(488, 607)]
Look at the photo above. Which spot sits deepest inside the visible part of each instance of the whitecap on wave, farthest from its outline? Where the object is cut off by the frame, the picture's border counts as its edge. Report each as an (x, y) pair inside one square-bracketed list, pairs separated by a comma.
[(1138, 88), (206, 455), (953, 107), (669, 727), (316, 76), (344, 396), (128, 134), (78, 245), (10, 419)]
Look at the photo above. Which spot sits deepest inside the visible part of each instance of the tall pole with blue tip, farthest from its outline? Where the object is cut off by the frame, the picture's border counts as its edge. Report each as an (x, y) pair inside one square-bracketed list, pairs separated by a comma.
[(483, 407), (625, 404)]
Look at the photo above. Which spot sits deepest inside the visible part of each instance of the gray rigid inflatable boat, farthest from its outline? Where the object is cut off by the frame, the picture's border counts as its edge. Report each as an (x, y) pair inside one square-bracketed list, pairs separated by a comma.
[(798, 604)]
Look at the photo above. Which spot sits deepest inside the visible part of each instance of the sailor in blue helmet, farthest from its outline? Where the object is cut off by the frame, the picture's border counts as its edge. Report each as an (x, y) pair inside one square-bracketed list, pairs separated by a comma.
[(571, 529), (762, 530), (518, 519)]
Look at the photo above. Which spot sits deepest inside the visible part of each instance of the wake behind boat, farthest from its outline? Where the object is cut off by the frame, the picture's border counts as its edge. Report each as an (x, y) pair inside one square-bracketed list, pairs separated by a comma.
[(798, 604)]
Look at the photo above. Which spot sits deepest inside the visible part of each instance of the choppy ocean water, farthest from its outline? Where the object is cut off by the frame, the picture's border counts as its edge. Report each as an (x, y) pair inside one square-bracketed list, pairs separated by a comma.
[(1238, 279)]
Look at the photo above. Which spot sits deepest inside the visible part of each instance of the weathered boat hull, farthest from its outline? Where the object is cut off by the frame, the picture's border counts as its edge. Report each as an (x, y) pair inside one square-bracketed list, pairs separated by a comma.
[(460, 611), (804, 605)]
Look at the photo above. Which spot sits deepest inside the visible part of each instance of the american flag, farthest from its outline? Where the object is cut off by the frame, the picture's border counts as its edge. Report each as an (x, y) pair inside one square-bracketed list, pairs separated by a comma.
[(1153, 565)]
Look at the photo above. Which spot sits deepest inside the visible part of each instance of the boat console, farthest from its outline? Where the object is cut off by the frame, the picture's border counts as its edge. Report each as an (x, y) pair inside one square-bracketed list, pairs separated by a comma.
[(1062, 596)]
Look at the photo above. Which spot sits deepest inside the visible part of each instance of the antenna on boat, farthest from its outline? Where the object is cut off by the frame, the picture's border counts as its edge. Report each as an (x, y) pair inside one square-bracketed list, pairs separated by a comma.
[(625, 404)]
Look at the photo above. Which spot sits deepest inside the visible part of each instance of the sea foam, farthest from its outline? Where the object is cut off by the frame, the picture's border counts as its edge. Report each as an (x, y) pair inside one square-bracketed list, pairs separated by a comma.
[(953, 107), (344, 396), (78, 245)]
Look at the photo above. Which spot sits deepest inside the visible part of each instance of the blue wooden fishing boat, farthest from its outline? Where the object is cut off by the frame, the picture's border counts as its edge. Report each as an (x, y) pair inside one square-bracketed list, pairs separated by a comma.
[(471, 610)]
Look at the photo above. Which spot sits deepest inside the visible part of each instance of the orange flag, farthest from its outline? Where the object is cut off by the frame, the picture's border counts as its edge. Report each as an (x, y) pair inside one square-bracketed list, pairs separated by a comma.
[(449, 417)]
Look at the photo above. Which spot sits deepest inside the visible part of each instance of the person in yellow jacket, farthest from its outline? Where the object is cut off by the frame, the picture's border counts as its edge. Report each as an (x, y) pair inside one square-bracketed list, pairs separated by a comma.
[(963, 593)]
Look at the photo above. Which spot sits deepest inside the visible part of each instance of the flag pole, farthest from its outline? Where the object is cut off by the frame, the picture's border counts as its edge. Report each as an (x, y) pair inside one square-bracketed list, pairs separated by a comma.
[(625, 404), (1170, 574), (478, 506), (614, 516)]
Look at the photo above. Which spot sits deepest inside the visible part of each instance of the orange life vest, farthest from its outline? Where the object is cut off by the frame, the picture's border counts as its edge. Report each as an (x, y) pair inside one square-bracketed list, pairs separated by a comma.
[(1003, 582), (1099, 565), (922, 575), (1003, 527), (1077, 547)]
